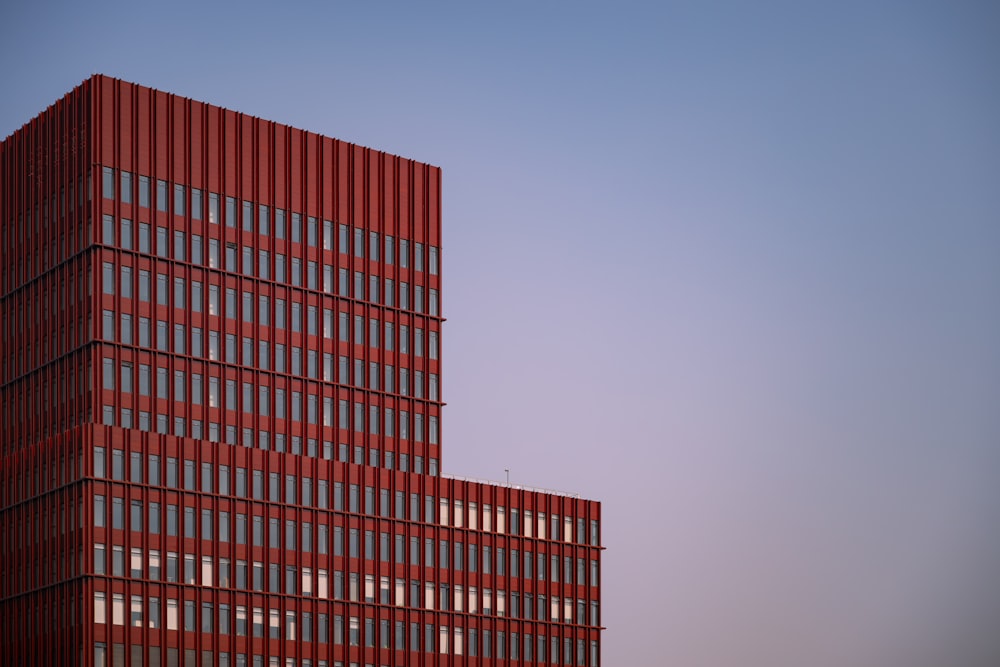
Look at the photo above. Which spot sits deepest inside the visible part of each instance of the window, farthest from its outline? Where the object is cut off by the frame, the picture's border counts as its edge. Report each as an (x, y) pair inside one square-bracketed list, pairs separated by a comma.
[(248, 262), (108, 183), (99, 511), (126, 380), (404, 253), (263, 219), (118, 513), (180, 246), (154, 518), (100, 564), (162, 247), (359, 330), (196, 296), (343, 283), (247, 216), (109, 374), (162, 196), (248, 307), (197, 204), (108, 278), (189, 470), (263, 264), (433, 261), (154, 469), (126, 330), (389, 248), (179, 293), (196, 248), (230, 212), (311, 231), (359, 285), (179, 200), (433, 305), (144, 191), (126, 233)]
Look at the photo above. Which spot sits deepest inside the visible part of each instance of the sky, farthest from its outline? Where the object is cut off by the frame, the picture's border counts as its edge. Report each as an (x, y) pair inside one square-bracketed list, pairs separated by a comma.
[(732, 269)]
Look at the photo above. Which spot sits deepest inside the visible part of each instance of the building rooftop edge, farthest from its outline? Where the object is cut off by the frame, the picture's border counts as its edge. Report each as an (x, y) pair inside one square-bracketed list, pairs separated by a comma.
[(517, 487), (97, 77)]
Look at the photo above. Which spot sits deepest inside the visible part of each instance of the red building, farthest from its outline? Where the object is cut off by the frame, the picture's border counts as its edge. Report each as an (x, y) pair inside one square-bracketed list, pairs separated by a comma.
[(220, 410)]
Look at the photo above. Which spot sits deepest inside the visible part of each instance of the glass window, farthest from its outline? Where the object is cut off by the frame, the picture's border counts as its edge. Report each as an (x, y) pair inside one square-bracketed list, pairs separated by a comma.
[(179, 199), (180, 246), (108, 278), (162, 247), (433, 261), (432, 344), (144, 191), (126, 381), (179, 291), (126, 288), (118, 513), (108, 326), (279, 224), (109, 374), (311, 230), (263, 219), (108, 229), (99, 511), (162, 195), (196, 204), (108, 183), (433, 306), (359, 243), (230, 212), (359, 285), (126, 234)]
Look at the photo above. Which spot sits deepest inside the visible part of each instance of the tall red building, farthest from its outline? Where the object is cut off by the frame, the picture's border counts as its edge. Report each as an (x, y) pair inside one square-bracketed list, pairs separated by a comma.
[(220, 410)]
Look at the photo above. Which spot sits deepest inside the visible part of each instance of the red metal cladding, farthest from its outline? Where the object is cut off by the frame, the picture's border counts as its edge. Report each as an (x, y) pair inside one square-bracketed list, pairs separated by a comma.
[(220, 410)]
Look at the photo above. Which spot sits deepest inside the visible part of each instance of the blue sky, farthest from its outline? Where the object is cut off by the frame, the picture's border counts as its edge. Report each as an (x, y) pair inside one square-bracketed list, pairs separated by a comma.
[(731, 268)]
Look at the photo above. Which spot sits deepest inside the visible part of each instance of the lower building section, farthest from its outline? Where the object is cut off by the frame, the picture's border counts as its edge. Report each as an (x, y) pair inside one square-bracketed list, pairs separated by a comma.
[(137, 548)]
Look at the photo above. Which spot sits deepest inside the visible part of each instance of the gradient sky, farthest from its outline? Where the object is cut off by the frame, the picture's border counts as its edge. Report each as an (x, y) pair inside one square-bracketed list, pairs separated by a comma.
[(732, 269)]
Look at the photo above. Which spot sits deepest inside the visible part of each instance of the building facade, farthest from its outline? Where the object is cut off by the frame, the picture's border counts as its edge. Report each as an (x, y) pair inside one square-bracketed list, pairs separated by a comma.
[(220, 410)]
